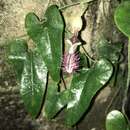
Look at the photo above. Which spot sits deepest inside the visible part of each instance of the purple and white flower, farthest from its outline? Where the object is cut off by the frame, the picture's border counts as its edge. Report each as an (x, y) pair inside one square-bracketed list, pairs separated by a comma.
[(71, 58)]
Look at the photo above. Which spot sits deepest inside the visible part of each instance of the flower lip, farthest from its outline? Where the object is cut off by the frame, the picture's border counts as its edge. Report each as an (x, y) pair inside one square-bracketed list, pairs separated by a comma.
[(70, 62), (74, 43), (71, 58), (74, 39)]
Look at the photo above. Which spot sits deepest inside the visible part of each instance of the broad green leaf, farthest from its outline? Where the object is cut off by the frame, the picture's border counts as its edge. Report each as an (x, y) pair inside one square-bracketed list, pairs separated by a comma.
[(58, 100), (77, 85), (47, 36), (115, 120), (53, 18), (33, 83), (109, 51), (17, 55), (122, 17), (54, 99), (84, 87), (34, 26), (51, 99)]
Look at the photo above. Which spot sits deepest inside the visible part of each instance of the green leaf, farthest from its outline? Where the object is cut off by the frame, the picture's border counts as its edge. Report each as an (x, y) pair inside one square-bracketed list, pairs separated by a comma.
[(115, 120), (17, 55), (51, 99), (109, 51), (53, 18), (84, 87), (47, 36), (33, 26), (33, 83), (54, 99), (122, 17)]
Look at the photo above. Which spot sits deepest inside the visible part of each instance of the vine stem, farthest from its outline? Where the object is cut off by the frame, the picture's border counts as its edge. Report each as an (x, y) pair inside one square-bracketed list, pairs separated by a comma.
[(128, 81), (113, 99), (86, 53), (63, 81), (128, 78), (76, 127), (74, 4), (70, 5), (22, 36)]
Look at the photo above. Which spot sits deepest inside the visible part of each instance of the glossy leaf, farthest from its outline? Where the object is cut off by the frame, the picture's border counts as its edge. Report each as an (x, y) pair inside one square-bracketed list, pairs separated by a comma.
[(17, 55), (115, 120), (109, 51), (53, 18), (58, 100), (55, 100), (122, 17), (33, 83), (33, 26), (48, 35), (84, 87)]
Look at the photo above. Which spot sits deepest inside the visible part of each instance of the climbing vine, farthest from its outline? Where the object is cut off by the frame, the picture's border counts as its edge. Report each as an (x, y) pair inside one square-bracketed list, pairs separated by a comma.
[(43, 71)]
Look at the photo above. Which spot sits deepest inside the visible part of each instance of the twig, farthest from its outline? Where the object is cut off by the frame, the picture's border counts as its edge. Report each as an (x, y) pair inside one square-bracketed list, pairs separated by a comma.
[(74, 4), (128, 79), (21, 36), (86, 53), (112, 100), (76, 127), (67, 6), (63, 81)]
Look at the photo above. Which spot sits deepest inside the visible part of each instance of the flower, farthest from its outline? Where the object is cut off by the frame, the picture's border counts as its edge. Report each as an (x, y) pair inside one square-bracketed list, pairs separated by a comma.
[(71, 58), (70, 62), (74, 43)]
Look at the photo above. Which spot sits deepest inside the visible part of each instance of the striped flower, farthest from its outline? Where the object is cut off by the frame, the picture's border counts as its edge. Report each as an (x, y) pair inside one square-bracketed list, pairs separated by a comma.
[(71, 58), (70, 62)]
